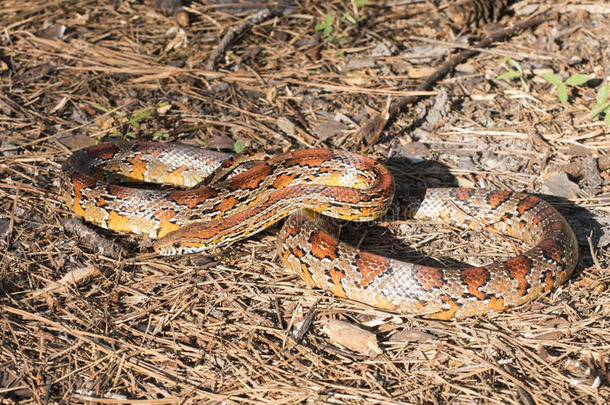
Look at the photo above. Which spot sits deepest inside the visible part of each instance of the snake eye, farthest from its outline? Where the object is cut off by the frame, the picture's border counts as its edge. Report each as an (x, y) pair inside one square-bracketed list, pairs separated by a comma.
[(176, 244)]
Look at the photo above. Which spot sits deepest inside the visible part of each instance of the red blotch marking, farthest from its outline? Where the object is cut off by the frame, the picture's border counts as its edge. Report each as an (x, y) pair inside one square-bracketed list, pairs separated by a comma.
[(150, 148), (309, 157), (323, 245), (80, 181), (518, 268), (429, 277), (104, 151), (448, 314), (549, 281), (475, 278), (336, 276), (283, 180), (527, 204), (138, 167), (192, 198), (497, 198), (344, 194), (463, 194), (541, 215), (228, 163), (552, 249), (165, 214), (555, 225), (226, 204), (496, 304), (370, 266), (100, 202), (297, 252), (250, 179), (292, 227), (123, 192)]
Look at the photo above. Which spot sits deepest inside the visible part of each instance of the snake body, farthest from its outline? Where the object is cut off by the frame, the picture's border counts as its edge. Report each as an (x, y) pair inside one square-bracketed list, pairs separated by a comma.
[(229, 198)]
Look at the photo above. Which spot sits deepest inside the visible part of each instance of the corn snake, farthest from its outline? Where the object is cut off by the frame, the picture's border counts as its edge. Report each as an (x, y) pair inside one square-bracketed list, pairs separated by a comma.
[(251, 194)]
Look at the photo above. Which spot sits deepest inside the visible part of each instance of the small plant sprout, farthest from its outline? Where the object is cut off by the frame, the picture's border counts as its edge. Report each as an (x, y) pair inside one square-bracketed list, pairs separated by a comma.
[(134, 119), (357, 17), (239, 146), (340, 27), (129, 122), (602, 105), (124, 136), (562, 87), (514, 71), (326, 27)]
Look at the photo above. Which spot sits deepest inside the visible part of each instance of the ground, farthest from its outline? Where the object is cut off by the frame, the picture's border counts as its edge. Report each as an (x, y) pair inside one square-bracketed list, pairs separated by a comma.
[(233, 326)]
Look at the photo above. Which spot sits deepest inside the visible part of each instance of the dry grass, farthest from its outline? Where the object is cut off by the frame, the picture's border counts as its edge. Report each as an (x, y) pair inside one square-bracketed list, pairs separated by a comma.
[(76, 326)]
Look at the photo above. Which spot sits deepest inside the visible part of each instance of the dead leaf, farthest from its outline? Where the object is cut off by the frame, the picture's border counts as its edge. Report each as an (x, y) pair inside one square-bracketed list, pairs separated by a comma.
[(353, 337)]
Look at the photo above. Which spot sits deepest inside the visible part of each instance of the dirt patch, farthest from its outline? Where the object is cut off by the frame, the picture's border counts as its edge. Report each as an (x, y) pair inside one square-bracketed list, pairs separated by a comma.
[(233, 326)]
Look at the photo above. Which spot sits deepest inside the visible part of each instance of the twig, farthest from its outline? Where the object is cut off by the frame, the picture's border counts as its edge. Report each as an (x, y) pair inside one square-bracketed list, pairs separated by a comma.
[(99, 243), (230, 36), (370, 133)]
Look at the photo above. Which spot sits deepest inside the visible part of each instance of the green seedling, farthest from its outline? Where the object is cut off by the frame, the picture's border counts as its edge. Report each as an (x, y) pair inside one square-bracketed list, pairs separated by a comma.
[(330, 26), (514, 71), (602, 105), (160, 135), (326, 27), (134, 120), (562, 87), (239, 146)]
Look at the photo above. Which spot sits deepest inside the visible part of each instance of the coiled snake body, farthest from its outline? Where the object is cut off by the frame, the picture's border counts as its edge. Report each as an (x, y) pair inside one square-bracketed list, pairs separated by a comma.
[(242, 194)]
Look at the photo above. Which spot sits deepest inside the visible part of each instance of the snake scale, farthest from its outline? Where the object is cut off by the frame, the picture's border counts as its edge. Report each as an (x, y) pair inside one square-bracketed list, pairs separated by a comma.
[(217, 198)]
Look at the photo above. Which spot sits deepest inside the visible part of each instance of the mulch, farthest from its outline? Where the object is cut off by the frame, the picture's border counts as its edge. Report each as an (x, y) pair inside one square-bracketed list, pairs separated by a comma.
[(91, 316)]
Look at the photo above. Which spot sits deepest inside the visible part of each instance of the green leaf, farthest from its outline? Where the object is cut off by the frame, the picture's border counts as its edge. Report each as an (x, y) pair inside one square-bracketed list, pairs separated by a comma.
[(360, 3), (239, 147), (598, 108), (552, 78), (327, 25), (577, 80), (562, 93), (516, 65), (350, 18), (160, 135), (595, 110), (511, 74), (116, 133), (607, 119), (602, 94), (140, 116)]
